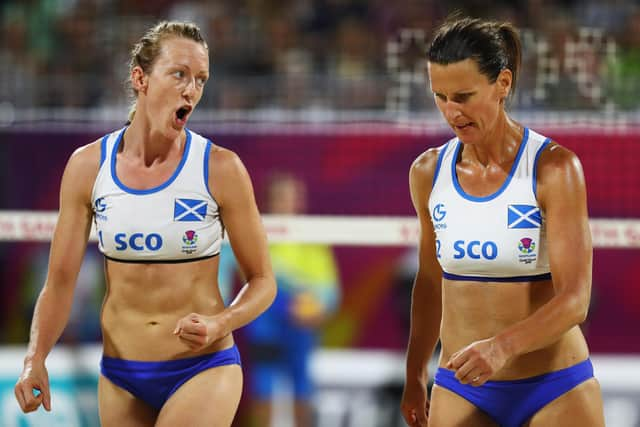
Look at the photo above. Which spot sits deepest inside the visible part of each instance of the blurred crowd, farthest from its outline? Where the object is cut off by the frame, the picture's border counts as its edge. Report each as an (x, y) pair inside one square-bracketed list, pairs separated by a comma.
[(314, 54)]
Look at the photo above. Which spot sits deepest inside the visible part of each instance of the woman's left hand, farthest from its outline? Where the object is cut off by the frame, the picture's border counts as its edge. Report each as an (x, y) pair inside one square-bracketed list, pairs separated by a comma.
[(198, 331), (478, 361)]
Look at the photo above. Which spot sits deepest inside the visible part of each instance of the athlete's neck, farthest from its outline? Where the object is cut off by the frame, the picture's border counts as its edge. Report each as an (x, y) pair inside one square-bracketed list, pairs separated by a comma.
[(500, 146), (149, 144)]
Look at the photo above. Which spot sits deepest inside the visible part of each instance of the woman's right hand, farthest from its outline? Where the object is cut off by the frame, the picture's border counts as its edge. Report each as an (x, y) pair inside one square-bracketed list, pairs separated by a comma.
[(34, 377), (415, 404)]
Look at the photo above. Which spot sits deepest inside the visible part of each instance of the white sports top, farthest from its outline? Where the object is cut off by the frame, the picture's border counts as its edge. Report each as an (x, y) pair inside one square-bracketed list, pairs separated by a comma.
[(496, 238), (176, 221)]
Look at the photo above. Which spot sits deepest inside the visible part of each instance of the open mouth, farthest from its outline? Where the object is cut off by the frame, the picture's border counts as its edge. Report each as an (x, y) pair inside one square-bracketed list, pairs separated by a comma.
[(182, 114)]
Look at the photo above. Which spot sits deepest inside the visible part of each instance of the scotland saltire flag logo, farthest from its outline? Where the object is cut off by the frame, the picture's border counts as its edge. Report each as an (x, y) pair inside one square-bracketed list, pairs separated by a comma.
[(523, 216), (189, 210)]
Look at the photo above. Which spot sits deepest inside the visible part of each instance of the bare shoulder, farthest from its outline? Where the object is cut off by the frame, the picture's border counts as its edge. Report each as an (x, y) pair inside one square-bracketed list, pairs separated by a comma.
[(228, 176), (424, 166), (82, 167), (86, 158), (558, 163), (224, 160), (560, 177)]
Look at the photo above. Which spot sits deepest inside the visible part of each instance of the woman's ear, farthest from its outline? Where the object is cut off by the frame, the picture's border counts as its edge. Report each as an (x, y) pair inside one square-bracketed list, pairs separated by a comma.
[(504, 81), (139, 79)]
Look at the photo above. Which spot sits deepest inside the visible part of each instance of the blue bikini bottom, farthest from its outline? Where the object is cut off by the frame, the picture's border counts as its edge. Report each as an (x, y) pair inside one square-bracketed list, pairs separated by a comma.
[(512, 403), (155, 382)]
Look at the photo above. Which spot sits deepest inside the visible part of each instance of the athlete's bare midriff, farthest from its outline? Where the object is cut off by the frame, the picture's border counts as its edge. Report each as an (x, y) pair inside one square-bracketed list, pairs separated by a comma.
[(473, 311), (143, 303)]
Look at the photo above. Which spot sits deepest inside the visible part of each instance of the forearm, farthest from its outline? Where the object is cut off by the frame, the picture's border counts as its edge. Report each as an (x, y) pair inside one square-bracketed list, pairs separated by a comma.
[(252, 300), (544, 327), (49, 319), (426, 315)]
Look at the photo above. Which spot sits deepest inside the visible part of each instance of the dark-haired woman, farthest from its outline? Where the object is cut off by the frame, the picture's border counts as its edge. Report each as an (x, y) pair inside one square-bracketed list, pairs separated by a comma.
[(504, 274)]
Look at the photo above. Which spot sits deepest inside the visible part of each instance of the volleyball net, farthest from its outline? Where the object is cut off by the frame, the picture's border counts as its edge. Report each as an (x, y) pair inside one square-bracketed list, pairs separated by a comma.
[(34, 226)]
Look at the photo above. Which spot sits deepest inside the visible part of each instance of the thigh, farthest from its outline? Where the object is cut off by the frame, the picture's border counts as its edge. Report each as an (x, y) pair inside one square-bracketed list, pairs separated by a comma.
[(581, 406), (447, 409), (210, 399), (119, 408)]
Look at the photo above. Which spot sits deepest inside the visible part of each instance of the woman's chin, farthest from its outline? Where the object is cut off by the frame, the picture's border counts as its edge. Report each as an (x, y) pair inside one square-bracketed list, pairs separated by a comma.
[(467, 139), (173, 130), (466, 133)]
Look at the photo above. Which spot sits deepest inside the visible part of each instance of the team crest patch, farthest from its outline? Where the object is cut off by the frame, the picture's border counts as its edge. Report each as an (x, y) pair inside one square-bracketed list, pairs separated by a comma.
[(523, 216), (527, 248), (189, 210), (526, 245), (190, 240)]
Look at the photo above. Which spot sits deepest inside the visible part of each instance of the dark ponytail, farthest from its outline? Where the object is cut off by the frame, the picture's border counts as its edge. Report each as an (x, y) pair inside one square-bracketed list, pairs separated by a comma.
[(493, 45), (513, 49)]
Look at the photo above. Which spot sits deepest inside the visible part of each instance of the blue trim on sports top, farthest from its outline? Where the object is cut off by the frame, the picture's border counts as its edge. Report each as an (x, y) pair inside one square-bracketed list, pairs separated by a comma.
[(119, 183), (512, 403), (103, 149), (535, 166), (456, 184), (207, 153), (155, 382), (439, 163), (533, 278)]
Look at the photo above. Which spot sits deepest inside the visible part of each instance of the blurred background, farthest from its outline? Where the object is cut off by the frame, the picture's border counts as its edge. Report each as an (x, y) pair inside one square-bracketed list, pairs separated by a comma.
[(327, 104)]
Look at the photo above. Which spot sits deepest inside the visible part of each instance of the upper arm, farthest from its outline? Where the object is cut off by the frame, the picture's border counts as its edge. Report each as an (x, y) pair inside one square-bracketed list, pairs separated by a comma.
[(420, 182), (231, 186), (75, 214), (563, 199)]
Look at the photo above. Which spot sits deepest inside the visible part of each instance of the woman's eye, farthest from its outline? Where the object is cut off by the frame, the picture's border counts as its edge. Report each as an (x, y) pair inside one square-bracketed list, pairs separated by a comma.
[(179, 74)]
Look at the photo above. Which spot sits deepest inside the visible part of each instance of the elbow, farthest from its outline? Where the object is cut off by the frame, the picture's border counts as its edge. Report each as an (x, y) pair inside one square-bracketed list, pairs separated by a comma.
[(272, 291), (581, 314), (578, 308)]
